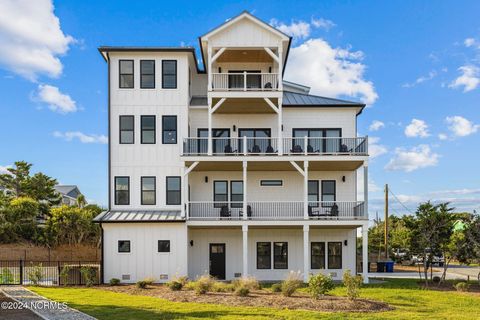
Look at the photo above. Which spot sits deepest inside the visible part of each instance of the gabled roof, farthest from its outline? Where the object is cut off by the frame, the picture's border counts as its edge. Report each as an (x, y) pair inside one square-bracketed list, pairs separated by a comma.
[(139, 216), (67, 190), (293, 99)]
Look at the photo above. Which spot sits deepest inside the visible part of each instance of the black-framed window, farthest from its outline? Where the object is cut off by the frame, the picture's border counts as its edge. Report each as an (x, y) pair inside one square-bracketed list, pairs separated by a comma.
[(313, 193), (149, 187), (220, 193), (264, 255), (220, 143), (169, 74), (259, 140), (271, 183), (122, 190), (147, 74), (163, 245), (328, 192), (147, 124), (174, 194), (319, 140), (169, 129), (126, 74), (127, 129), (236, 194), (280, 255), (124, 246), (317, 260), (334, 255)]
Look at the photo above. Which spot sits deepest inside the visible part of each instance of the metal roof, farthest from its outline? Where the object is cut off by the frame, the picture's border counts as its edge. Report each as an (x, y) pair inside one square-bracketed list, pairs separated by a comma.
[(300, 99), (140, 216)]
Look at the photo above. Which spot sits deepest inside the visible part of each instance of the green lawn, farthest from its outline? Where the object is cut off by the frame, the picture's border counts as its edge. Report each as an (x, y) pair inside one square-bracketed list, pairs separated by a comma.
[(409, 301)]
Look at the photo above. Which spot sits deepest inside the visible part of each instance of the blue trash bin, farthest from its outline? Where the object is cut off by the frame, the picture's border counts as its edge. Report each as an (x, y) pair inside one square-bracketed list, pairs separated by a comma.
[(389, 266)]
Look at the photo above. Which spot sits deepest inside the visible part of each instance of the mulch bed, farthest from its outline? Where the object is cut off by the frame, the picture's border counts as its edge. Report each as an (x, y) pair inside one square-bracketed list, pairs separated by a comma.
[(259, 298), (449, 286)]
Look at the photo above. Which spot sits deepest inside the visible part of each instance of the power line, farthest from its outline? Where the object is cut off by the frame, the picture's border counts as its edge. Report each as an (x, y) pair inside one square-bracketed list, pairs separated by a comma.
[(398, 200)]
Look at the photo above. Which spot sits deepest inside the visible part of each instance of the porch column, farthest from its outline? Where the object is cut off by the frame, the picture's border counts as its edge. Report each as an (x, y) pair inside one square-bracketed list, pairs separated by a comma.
[(365, 189), (280, 67), (184, 185), (305, 189), (365, 252), (306, 252), (209, 142), (280, 123), (245, 250), (245, 204)]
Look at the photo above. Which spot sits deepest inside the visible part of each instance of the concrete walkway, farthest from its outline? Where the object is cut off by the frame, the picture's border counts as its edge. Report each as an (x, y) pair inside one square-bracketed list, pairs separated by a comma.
[(42, 307)]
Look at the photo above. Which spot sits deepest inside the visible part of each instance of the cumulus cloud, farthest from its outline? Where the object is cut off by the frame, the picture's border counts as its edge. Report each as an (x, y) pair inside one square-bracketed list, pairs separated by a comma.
[(301, 29), (442, 136), (469, 78), (376, 125), (31, 39), (468, 42), (330, 71), (56, 100), (461, 127), (374, 148), (4, 169), (82, 137), (417, 128), (412, 159), (432, 74), (323, 23)]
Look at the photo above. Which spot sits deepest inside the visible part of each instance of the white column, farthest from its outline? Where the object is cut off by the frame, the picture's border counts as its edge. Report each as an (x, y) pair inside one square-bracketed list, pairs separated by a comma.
[(209, 142), (184, 184), (245, 250), (306, 252), (305, 190), (365, 188), (365, 252), (244, 209), (209, 67), (280, 67), (280, 123)]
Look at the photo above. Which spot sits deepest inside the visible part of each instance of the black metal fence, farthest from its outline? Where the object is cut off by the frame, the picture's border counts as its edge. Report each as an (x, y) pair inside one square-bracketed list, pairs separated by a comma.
[(49, 273)]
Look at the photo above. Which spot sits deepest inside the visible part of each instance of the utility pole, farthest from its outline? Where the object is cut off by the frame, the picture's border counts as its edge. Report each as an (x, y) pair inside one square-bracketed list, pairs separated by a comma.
[(386, 222)]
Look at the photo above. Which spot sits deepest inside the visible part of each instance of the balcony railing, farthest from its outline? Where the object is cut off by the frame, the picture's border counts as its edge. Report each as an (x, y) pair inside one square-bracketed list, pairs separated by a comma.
[(277, 210), (245, 81), (272, 146)]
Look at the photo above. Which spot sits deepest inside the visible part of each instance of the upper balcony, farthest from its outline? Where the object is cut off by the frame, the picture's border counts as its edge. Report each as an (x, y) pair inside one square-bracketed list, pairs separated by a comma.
[(245, 81)]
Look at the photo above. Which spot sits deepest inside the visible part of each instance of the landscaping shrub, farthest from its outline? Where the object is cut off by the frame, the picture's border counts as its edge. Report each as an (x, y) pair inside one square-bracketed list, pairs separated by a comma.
[(204, 284), (436, 279), (353, 284), (89, 275), (223, 287), (175, 285), (6, 277), (149, 280), (242, 291), (65, 275), (114, 282), (141, 284), (277, 287), (250, 283), (462, 286), (35, 274), (291, 283), (319, 284)]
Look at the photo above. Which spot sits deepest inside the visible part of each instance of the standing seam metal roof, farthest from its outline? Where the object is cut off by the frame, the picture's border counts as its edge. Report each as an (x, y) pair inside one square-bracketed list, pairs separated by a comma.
[(140, 216)]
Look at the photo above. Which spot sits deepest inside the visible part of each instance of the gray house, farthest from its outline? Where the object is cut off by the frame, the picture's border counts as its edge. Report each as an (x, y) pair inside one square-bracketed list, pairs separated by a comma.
[(69, 194)]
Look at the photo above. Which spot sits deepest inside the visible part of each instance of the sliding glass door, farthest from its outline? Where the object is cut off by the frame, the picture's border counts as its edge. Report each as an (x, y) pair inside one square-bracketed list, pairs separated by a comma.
[(319, 140), (258, 140)]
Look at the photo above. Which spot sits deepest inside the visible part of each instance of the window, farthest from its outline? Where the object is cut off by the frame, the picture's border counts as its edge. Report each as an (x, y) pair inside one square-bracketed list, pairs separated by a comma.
[(218, 145), (258, 140), (328, 192), (280, 255), (148, 129), (169, 74), (122, 190), (148, 190), (317, 141), (220, 193), (334, 255), (127, 129), (123, 246), (318, 255), (147, 74), (173, 191), (271, 183), (126, 74), (264, 255), (313, 193), (236, 194), (169, 127), (163, 245)]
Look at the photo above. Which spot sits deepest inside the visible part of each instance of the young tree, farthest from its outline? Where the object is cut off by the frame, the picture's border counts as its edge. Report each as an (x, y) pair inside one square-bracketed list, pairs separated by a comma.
[(42, 188), (17, 179), (21, 219)]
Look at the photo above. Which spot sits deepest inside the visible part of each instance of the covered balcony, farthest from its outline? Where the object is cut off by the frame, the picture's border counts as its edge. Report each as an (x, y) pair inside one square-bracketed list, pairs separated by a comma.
[(245, 81)]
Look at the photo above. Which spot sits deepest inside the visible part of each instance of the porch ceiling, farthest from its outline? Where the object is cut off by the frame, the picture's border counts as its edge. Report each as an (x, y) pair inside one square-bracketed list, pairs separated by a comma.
[(275, 165), (244, 105), (245, 55)]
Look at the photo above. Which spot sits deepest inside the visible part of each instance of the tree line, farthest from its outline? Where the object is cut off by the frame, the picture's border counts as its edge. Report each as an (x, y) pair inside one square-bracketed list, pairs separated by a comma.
[(26, 199)]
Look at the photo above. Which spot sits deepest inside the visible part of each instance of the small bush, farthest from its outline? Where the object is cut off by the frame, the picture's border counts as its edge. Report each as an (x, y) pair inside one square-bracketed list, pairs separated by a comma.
[(6, 277), (242, 291), (89, 275), (276, 287), (65, 275), (353, 284), (189, 285), (141, 284), (250, 283), (291, 283), (319, 284), (175, 285), (35, 274), (149, 280), (462, 286), (223, 287), (436, 279), (114, 282), (204, 284)]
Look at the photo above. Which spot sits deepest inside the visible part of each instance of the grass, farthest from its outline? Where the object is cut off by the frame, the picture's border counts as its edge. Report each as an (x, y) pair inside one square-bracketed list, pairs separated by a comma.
[(408, 299)]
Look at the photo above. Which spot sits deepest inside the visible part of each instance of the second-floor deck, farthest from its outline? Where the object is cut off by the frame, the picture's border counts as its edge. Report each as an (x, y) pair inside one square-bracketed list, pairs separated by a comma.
[(245, 81)]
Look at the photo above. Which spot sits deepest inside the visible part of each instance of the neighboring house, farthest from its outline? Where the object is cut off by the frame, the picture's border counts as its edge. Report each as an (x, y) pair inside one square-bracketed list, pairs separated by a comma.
[(69, 194), (229, 171)]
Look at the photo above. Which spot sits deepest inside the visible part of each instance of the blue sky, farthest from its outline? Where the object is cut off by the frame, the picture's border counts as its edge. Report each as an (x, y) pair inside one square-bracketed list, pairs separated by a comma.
[(417, 64)]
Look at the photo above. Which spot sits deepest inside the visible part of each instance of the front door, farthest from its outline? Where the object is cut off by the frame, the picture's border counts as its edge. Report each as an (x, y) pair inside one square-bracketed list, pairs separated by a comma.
[(217, 260)]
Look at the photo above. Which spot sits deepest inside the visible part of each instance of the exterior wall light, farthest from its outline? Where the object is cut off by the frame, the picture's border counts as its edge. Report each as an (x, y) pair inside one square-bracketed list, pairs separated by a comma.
[(206, 179), (345, 242), (343, 179)]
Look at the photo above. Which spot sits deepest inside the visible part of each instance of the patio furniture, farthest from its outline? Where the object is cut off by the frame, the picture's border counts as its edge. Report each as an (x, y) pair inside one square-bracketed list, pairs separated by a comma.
[(249, 211), (224, 212)]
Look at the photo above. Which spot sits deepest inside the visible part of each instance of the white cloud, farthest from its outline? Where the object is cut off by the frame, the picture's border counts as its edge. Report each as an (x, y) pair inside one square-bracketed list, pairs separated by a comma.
[(461, 127), (82, 137), (464, 191), (298, 30), (432, 74), (442, 136), (413, 159), (3, 169), (469, 42), (374, 148), (372, 186), (323, 23), (330, 71), (469, 78), (376, 125), (417, 128), (31, 39), (57, 101)]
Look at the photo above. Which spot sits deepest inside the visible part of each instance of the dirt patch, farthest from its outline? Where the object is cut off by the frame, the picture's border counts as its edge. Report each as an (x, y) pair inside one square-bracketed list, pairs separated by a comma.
[(258, 298), (449, 286)]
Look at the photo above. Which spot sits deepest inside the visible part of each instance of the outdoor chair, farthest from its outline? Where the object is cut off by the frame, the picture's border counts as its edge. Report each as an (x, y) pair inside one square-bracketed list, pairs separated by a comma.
[(296, 149), (249, 211), (224, 212)]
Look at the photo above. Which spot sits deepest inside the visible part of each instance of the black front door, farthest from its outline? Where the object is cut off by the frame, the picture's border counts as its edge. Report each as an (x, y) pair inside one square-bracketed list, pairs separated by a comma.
[(217, 260)]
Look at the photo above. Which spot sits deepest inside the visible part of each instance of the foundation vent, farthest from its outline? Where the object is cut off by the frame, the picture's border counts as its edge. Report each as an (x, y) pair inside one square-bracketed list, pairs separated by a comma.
[(164, 277), (125, 277), (237, 274)]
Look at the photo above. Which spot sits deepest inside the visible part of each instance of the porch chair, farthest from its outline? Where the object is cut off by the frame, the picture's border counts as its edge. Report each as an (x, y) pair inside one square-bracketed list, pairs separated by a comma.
[(224, 212), (249, 211)]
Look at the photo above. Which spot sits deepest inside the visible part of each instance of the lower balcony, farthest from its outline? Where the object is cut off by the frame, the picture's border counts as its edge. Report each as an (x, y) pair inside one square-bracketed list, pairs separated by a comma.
[(277, 210)]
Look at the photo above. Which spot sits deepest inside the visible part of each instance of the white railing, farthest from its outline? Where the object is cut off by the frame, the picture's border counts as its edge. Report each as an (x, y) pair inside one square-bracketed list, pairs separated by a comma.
[(244, 81), (271, 146), (276, 210)]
